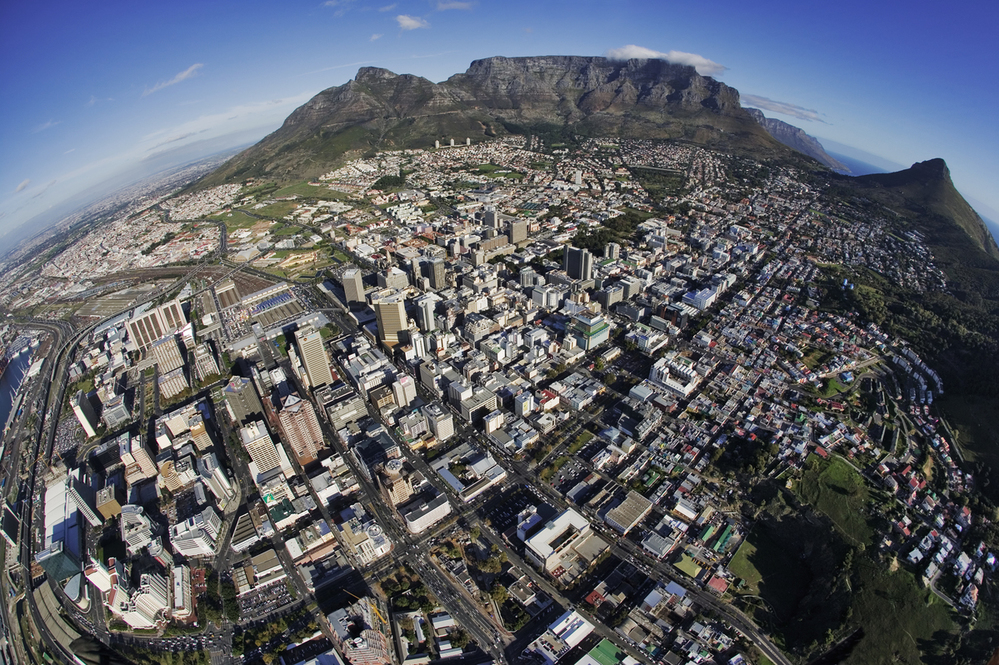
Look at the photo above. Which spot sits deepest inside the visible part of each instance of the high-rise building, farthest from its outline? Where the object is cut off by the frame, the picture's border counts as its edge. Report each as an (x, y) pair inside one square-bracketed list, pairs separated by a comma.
[(137, 459), (116, 412), (301, 429), (196, 536), (136, 528), (590, 329), (516, 231), (393, 278), (84, 410), (182, 592), (612, 251), (313, 355), (578, 263), (437, 275), (82, 494), (259, 446), (441, 422), (205, 364), (241, 400), (390, 312), (404, 390), (425, 308), (109, 501), (396, 483), (166, 351), (353, 285), (155, 323), (360, 633)]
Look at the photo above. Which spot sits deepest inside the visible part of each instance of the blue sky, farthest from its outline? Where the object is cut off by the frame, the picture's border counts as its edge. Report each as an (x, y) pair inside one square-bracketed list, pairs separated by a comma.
[(96, 90)]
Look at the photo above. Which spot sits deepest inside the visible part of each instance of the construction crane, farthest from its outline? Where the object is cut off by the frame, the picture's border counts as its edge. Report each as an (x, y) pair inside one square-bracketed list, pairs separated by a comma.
[(373, 606)]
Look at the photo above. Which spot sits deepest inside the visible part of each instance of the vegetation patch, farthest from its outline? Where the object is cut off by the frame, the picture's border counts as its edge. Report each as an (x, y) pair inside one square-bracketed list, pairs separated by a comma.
[(835, 488)]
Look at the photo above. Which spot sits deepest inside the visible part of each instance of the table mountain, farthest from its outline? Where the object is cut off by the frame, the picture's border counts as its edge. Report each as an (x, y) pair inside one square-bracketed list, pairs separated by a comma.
[(592, 96)]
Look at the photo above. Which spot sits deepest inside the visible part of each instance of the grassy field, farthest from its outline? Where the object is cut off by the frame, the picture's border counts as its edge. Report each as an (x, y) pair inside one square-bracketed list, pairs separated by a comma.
[(834, 488), (277, 210), (237, 220), (307, 191)]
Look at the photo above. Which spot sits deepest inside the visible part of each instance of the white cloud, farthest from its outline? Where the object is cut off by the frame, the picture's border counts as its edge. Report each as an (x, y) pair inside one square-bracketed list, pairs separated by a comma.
[(45, 125), (24, 183), (443, 5), (411, 22), (388, 8), (44, 189), (703, 66), (182, 76), (375, 36), (784, 108)]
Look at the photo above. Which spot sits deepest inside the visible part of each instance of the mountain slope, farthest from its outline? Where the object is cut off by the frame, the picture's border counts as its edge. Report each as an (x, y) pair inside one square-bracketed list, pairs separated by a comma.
[(796, 138), (495, 96), (927, 190)]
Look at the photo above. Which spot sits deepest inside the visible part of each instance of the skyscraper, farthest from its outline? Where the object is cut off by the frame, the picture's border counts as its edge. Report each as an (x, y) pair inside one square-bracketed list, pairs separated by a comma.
[(313, 354), (390, 311), (301, 429), (425, 307), (242, 401), (259, 446), (436, 274), (578, 263), (84, 410), (353, 286)]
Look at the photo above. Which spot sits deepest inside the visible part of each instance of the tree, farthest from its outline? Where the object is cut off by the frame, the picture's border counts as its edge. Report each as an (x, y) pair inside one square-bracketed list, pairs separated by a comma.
[(610, 378), (498, 592)]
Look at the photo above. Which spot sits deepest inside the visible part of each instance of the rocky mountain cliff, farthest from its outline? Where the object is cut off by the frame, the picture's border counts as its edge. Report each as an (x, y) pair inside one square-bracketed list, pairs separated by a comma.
[(594, 96), (796, 138), (926, 190)]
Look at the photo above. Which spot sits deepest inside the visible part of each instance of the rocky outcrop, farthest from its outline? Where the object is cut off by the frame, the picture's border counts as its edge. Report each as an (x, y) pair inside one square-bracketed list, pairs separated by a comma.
[(795, 138)]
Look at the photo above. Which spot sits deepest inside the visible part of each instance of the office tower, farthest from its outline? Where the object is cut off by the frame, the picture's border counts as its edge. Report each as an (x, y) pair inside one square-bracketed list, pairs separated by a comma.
[(425, 307), (612, 251), (83, 496), (84, 410), (241, 400), (390, 311), (353, 286), (205, 364), (313, 355), (116, 412), (196, 536), (396, 484), (259, 446), (404, 391), (393, 278), (516, 231), (155, 323), (166, 351), (109, 501), (578, 263), (301, 429), (137, 459), (441, 422), (436, 274)]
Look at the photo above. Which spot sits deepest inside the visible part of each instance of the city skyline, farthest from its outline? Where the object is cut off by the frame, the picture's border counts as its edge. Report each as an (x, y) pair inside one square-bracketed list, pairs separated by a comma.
[(111, 92)]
